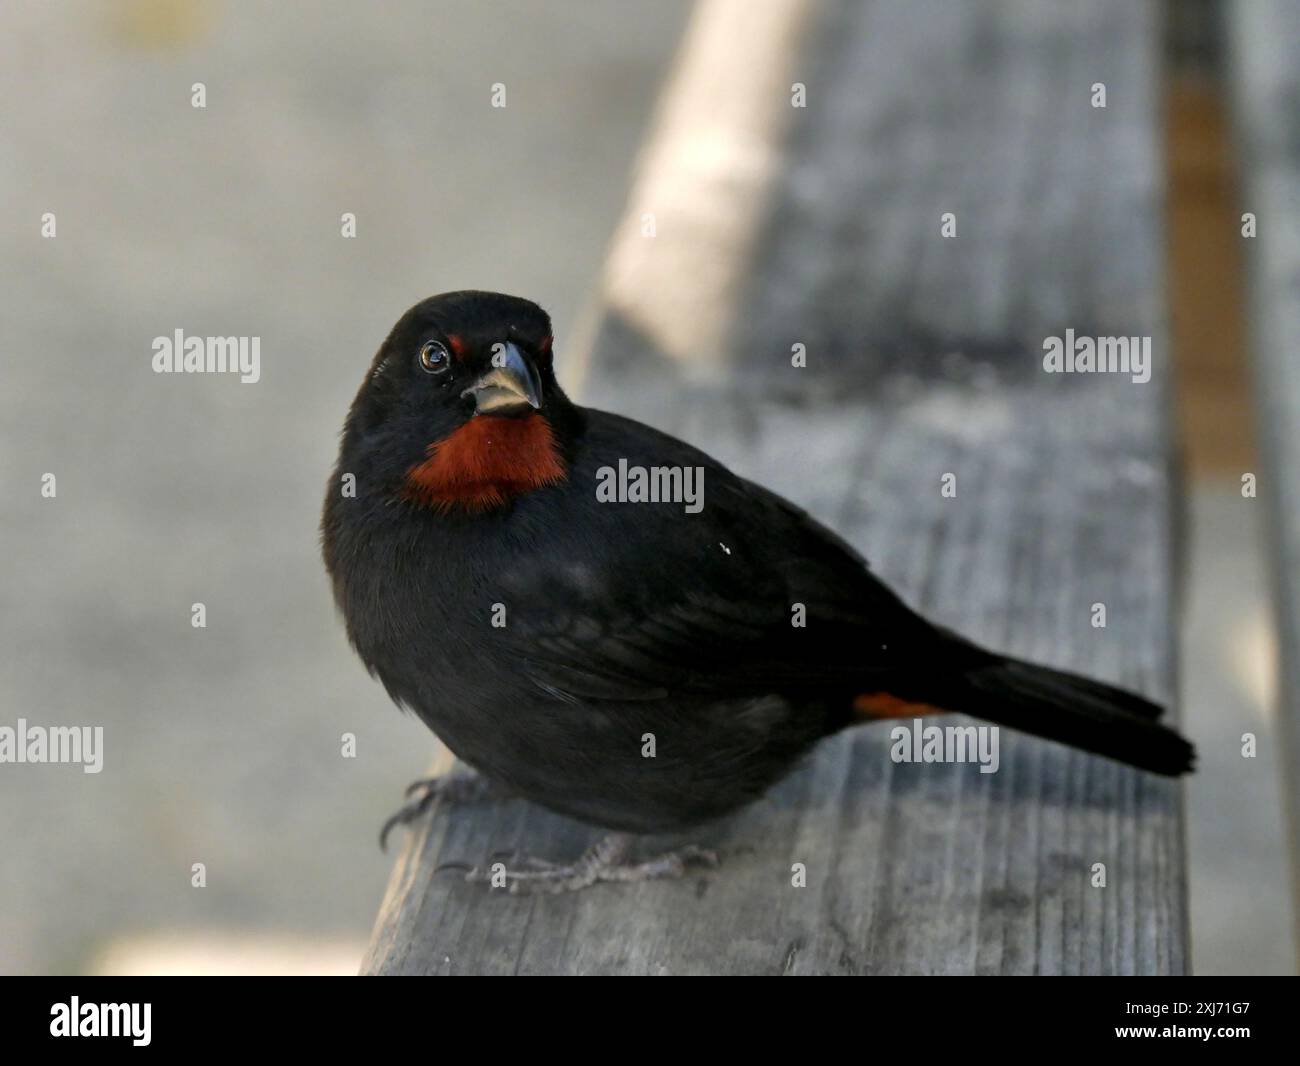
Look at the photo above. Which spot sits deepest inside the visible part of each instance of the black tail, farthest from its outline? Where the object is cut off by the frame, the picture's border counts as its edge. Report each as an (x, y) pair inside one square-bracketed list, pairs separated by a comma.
[(1074, 710)]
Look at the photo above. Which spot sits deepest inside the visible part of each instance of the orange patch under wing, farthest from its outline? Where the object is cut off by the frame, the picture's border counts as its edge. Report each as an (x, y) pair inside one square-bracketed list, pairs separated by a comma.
[(883, 705), (487, 462)]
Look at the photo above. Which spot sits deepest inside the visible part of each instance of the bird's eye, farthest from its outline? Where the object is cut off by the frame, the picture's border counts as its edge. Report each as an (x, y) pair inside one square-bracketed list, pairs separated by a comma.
[(434, 358)]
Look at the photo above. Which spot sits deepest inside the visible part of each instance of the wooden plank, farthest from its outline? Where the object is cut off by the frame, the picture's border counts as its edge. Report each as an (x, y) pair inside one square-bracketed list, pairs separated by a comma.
[(1264, 71), (924, 358)]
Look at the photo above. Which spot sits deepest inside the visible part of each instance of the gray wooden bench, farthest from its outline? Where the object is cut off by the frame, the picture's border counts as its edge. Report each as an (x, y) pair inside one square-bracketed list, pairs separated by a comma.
[(776, 226), (1265, 77)]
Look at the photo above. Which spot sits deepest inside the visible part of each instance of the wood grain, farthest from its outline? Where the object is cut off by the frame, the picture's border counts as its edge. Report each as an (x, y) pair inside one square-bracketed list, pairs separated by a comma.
[(1265, 78), (924, 358)]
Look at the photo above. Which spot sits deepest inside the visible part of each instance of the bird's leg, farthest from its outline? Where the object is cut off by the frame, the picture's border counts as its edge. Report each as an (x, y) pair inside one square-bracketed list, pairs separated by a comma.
[(450, 788), (606, 860)]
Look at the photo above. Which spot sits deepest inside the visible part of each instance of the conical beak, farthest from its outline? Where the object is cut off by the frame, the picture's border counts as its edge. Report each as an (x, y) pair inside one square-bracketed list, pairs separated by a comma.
[(512, 386)]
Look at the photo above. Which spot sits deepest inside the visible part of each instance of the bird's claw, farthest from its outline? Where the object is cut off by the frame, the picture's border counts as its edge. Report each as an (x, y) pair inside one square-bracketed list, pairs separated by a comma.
[(420, 795), (607, 860)]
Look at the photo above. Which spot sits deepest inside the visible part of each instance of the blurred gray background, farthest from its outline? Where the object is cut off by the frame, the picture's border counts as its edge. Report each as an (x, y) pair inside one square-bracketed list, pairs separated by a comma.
[(223, 745)]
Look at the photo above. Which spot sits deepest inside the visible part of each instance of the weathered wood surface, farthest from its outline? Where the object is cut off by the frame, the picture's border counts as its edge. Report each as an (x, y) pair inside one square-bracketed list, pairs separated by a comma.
[(1265, 76), (924, 358)]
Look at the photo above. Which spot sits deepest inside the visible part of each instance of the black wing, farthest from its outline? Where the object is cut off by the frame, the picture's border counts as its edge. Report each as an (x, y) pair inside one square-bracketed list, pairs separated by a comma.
[(654, 601)]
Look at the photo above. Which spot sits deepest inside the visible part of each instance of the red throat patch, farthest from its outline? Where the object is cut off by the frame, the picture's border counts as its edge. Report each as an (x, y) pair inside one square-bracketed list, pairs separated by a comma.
[(486, 463)]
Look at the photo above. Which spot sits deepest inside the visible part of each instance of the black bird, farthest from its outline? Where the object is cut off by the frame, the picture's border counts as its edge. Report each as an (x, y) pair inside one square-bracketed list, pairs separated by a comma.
[(552, 640)]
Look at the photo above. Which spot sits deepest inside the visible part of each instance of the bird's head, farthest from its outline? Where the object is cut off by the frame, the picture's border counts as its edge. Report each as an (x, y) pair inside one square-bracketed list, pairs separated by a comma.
[(460, 408)]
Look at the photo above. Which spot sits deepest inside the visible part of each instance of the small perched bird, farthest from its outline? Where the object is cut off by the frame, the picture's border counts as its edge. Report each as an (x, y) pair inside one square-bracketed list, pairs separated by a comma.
[(543, 632)]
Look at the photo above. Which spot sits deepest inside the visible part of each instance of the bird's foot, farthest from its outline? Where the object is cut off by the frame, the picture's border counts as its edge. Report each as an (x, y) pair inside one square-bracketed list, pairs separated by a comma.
[(450, 788), (606, 860)]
